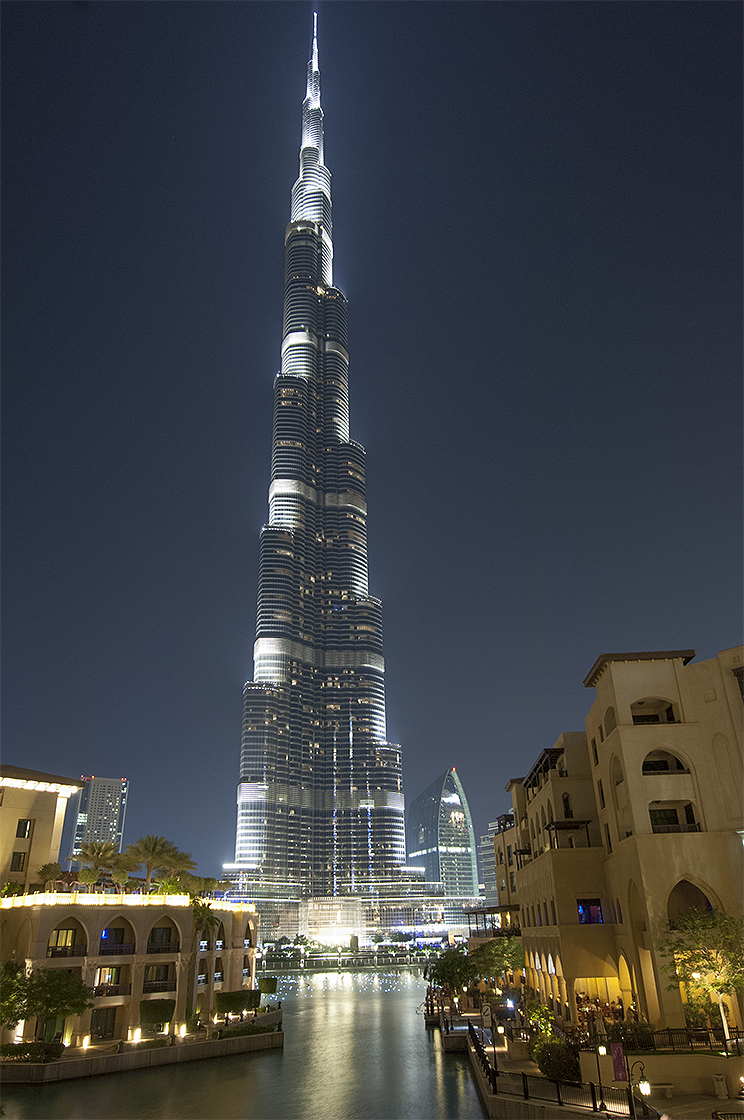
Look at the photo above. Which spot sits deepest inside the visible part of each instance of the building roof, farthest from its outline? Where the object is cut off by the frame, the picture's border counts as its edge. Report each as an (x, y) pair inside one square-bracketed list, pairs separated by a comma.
[(654, 655), (21, 774)]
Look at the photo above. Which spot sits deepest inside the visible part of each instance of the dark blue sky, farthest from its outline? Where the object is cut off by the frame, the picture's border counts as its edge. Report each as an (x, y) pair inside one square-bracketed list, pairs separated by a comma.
[(537, 221)]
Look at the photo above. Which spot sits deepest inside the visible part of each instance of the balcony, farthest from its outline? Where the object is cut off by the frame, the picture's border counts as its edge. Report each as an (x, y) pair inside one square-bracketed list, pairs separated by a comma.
[(113, 990), (663, 828), (159, 986), (106, 949), (78, 950), (162, 947)]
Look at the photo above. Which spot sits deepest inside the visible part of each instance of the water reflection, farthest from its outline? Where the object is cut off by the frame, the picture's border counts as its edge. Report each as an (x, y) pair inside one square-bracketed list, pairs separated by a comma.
[(354, 1049)]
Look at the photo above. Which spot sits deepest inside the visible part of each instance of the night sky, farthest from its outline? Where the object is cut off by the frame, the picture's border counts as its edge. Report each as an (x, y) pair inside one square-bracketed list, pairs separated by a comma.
[(537, 222)]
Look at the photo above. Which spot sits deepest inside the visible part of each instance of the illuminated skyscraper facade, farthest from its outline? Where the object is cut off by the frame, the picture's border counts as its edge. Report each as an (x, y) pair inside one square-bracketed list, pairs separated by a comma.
[(441, 837), (320, 798), (100, 813)]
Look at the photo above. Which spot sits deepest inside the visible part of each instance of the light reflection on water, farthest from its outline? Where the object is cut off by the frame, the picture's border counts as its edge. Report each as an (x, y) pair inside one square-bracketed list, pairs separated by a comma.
[(354, 1049)]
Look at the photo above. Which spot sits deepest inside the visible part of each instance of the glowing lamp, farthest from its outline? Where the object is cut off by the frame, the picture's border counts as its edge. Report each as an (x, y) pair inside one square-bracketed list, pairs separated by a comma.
[(86, 1042), (601, 1050), (137, 1035), (645, 1088), (500, 1030), (182, 1031)]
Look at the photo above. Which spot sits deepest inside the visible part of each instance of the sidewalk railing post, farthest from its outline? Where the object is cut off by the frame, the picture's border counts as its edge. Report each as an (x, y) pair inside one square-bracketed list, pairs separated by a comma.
[(525, 1087)]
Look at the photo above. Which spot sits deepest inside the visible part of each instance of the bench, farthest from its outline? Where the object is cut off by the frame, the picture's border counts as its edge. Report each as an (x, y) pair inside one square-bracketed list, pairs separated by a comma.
[(667, 1086)]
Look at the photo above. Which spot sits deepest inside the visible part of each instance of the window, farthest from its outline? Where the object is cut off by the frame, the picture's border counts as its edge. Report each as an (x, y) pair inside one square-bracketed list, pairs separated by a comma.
[(567, 810), (501, 857), (607, 839), (539, 915), (601, 734), (23, 831), (600, 794), (552, 911), (594, 752), (160, 935), (590, 911), (61, 938), (513, 880), (18, 861), (619, 911), (510, 857)]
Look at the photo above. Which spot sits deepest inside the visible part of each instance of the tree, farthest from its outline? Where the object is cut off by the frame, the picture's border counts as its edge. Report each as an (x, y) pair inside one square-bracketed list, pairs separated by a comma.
[(495, 957), (452, 966), (89, 876), (159, 855), (48, 873), (99, 854), (12, 994), (706, 953), (47, 993)]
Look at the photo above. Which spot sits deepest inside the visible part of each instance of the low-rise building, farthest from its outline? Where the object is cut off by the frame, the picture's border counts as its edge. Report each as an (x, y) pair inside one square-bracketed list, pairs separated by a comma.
[(31, 822), (617, 830), (128, 948)]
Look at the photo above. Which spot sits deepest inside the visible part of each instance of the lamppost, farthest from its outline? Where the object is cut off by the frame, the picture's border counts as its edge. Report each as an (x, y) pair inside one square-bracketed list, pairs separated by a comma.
[(600, 1050), (642, 1084)]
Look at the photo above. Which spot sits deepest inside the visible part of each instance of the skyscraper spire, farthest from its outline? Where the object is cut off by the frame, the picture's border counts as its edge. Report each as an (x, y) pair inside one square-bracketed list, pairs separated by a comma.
[(320, 799)]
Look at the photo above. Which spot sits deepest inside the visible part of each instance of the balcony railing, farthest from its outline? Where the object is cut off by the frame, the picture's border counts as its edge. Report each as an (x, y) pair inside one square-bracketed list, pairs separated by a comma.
[(162, 947), (675, 827), (113, 989), (78, 950), (159, 985), (107, 949)]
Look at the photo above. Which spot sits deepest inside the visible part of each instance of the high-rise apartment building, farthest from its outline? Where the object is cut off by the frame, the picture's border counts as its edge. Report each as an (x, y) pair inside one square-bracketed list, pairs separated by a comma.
[(440, 836), (101, 809), (320, 798)]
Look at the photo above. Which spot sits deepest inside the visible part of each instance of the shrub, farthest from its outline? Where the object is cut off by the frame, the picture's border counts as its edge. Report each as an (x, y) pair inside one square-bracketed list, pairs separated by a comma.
[(32, 1051), (267, 985), (634, 1036), (154, 1011), (235, 1002), (153, 1043), (555, 1059)]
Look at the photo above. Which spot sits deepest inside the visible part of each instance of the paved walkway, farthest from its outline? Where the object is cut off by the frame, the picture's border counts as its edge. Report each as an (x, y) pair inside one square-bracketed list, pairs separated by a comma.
[(681, 1106)]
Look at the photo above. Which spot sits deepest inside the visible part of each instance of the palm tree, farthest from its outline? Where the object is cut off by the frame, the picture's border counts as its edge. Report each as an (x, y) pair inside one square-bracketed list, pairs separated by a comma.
[(102, 855), (161, 855)]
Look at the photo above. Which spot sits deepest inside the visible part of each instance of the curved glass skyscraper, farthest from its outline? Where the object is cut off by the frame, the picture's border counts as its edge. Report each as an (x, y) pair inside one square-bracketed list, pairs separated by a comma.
[(320, 799), (441, 837)]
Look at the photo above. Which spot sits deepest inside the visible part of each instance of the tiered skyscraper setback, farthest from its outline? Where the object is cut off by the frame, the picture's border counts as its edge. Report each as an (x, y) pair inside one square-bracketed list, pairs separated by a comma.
[(320, 799)]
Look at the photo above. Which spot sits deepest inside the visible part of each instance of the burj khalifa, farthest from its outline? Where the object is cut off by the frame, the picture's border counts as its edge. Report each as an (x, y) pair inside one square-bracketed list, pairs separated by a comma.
[(320, 798)]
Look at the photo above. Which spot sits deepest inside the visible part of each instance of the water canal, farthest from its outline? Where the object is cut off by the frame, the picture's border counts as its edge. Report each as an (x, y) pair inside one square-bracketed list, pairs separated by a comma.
[(354, 1049)]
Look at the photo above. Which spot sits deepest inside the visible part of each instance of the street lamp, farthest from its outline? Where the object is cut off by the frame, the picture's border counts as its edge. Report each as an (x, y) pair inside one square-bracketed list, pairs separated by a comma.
[(642, 1084), (600, 1050)]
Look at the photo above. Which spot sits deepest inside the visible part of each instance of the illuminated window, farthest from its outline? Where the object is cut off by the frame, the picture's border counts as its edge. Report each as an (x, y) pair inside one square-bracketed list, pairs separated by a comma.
[(18, 861), (590, 911), (23, 831)]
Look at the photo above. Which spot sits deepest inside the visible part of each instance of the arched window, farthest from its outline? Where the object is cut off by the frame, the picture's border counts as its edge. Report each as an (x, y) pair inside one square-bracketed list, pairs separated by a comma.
[(663, 762), (609, 720), (684, 897)]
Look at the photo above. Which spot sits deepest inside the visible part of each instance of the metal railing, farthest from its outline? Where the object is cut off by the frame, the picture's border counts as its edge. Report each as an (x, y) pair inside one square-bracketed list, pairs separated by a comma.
[(162, 947), (78, 950), (679, 1038), (159, 986), (113, 989), (106, 949), (579, 1094)]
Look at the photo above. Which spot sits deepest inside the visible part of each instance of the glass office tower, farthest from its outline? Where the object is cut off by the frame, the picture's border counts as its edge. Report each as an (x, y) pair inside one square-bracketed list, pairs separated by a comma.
[(320, 798), (441, 837)]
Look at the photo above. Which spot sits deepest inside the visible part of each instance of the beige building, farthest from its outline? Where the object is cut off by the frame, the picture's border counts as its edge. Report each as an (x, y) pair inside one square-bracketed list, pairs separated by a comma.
[(623, 827), (128, 948), (31, 821)]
